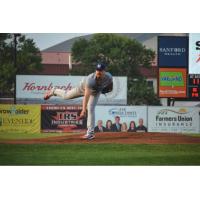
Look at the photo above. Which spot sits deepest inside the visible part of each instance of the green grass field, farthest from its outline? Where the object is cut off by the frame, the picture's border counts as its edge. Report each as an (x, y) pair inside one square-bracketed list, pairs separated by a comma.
[(19, 136), (94, 154), (99, 154)]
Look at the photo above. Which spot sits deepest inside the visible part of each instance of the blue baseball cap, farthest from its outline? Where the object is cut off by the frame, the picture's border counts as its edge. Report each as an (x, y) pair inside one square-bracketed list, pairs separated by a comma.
[(100, 67)]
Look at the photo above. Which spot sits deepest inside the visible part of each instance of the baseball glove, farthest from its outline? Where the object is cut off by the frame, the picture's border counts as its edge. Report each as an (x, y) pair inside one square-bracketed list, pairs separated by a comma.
[(107, 89)]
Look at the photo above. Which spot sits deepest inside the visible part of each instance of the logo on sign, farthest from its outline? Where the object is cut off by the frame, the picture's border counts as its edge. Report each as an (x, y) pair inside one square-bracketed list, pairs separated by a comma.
[(198, 59), (172, 118), (198, 45), (198, 48), (166, 111), (14, 111), (37, 88), (66, 118), (172, 51), (122, 112), (171, 78)]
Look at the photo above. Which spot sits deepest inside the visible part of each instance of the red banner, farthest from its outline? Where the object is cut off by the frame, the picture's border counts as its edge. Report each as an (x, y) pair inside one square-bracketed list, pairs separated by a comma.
[(61, 118)]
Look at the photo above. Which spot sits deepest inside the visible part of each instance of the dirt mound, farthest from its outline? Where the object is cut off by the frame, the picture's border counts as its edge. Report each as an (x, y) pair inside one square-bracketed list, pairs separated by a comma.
[(117, 138)]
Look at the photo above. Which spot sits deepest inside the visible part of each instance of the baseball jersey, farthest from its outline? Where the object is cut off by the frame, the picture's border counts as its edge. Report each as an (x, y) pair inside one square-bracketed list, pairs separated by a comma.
[(94, 85)]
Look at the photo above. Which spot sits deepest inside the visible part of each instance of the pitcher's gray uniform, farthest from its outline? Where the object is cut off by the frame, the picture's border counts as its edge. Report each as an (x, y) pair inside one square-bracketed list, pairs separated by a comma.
[(95, 86)]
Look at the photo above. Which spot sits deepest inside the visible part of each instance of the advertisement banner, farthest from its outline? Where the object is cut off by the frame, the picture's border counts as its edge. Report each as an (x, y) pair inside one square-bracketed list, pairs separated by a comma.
[(194, 53), (126, 114), (172, 51), (20, 118), (173, 119), (172, 82), (31, 89), (61, 118)]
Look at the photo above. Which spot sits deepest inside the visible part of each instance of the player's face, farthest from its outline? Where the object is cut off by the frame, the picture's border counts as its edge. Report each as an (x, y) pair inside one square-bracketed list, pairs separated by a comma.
[(99, 74)]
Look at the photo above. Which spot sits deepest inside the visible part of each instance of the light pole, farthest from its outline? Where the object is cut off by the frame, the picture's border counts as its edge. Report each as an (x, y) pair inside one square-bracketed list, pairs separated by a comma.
[(15, 62)]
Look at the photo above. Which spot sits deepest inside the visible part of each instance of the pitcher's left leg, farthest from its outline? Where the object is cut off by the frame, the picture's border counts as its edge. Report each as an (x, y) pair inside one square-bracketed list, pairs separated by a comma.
[(91, 115)]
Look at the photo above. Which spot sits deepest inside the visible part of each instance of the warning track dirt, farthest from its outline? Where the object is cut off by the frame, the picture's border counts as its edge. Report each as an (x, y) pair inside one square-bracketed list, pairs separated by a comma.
[(114, 138)]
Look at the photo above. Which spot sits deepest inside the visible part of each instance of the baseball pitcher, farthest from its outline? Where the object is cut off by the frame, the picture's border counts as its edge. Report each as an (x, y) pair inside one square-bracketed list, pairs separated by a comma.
[(99, 82)]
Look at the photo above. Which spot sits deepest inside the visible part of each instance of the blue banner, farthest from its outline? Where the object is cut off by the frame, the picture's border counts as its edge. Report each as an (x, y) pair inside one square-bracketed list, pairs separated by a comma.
[(172, 51)]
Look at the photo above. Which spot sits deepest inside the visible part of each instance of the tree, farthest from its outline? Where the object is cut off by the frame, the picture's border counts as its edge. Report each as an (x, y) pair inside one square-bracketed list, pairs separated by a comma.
[(28, 61), (123, 55), (140, 93)]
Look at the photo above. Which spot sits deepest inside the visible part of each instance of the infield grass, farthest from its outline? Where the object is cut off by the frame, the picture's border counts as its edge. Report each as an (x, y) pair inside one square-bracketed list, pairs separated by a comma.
[(21, 135), (99, 154)]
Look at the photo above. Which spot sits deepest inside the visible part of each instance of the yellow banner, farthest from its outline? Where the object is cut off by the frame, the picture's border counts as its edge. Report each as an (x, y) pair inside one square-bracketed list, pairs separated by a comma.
[(20, 118)]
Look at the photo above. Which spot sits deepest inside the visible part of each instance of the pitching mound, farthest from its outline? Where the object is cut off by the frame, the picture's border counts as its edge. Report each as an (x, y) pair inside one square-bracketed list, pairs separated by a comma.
[(117, 138)]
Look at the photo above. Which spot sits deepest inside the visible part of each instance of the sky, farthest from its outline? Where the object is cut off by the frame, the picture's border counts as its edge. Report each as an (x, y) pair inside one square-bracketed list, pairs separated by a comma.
[(46, 40)]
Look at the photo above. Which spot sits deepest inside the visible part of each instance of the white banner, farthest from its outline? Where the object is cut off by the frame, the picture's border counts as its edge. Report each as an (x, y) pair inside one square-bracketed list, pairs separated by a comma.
[(31, 89), (173, 119), (194, 53), (126, 114)]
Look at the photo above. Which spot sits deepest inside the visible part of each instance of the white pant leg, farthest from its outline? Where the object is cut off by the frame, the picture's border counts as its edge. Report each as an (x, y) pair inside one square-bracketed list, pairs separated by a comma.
[(93, 99), (77, 92), (71, 94)]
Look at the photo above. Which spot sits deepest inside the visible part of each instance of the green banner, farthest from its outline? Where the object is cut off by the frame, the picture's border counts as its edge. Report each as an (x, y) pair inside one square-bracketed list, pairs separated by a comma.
[(171, 79)]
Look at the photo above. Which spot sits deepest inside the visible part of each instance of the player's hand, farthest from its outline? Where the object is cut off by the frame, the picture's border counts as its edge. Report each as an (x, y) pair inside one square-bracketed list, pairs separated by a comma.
[(82, 115)]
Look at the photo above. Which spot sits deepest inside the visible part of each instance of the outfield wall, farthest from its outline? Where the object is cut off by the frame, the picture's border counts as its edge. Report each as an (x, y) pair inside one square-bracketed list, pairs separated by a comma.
[(63, 118)]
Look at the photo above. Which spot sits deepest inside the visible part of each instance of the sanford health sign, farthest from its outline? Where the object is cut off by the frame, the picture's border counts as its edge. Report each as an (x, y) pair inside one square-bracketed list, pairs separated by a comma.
[(172, 51), (20, 118)]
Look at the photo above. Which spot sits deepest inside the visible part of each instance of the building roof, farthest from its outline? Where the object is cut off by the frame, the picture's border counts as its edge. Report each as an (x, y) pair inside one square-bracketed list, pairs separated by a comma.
[(66, 45)]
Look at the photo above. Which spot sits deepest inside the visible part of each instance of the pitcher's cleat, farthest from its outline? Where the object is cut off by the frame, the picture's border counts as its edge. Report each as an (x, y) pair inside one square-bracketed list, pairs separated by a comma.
[(49, 94), (89, 136)]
